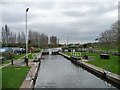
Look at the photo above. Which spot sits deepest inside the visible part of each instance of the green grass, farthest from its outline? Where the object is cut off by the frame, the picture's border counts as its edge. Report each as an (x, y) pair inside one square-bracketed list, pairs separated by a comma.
[(68, 53), (6, 61), (30, 56), (36, 51), (15, 58), (34, 55), (0, 79), (18, 56), (13, 76), (111, 64)]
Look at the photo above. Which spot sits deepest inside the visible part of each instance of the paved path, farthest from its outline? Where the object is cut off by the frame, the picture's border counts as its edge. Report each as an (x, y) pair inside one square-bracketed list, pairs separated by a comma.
[(15, 62), (27, 81)]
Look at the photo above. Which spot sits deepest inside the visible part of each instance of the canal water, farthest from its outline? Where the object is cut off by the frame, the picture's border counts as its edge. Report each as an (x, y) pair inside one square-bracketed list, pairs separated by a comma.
[(57, 72)]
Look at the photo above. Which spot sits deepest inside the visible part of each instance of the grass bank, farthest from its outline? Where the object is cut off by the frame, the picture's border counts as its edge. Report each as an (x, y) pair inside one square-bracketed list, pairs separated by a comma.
[(30, 56), (111, 64), (13, 76), (15, 58), (18, 56), (0, 79)]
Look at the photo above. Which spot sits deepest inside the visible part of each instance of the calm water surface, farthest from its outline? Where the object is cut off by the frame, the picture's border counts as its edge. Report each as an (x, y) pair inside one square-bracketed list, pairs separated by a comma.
[(58, 72)]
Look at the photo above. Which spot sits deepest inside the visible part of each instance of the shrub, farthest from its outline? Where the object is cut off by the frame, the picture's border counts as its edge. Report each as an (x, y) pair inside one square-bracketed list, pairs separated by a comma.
[(8, 55)]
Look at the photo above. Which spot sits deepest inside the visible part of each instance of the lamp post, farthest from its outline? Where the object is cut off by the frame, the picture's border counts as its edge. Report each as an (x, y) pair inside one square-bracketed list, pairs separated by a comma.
[(26, 59)]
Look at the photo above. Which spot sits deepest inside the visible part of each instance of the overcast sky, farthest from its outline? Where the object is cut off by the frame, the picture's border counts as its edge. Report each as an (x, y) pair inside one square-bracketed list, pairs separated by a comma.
[(80, 21)]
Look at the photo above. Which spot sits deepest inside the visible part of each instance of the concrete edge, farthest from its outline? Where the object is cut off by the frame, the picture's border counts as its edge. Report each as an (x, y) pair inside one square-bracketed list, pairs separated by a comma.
[(99, 71), (32, 83)]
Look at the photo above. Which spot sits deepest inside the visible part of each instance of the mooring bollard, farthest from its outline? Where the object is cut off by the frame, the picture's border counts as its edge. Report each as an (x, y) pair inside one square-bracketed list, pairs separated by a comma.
[(2, 61), (11, 62), (40, 61), (26, 61), (33, 80)]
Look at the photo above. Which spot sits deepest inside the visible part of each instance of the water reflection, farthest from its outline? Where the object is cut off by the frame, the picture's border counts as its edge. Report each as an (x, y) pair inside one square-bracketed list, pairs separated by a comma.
[(57, 72)]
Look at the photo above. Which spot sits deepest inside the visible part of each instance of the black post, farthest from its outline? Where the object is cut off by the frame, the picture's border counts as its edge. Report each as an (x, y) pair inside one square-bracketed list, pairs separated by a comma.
[(2, 61), (26, 61), (40, 60), (11, 62)]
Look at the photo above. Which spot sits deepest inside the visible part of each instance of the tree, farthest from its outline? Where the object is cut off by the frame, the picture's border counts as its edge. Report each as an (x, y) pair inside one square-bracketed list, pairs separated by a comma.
[(12, 38), (8, 36), (23, 39), (35, 39), (115, 32), (5, 34), (53, 41), (43, 40), (109, 38), (19, 38), (38, 40), (105, 39)]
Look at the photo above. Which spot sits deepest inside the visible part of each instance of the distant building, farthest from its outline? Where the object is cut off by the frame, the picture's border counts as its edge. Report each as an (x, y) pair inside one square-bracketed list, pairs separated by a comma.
[(53, 41)]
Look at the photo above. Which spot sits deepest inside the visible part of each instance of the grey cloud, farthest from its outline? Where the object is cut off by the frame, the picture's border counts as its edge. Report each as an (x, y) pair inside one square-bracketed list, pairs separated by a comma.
[(96, 9), (15, 12), (73, 13), (86, 26), (42, 5)]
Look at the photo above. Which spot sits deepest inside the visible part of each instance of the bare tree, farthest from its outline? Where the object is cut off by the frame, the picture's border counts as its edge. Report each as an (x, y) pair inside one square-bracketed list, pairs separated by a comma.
[(7, 35), (7, 32), (19, 38), (3, 36), (114, 29), (14, 38), (43, 40), (35, 38), (109, 38), (105, 39), (23, 38), (53, 41)]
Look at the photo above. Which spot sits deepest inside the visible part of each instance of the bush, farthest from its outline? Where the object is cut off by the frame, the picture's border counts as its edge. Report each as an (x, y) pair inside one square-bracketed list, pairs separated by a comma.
[(8, 55)]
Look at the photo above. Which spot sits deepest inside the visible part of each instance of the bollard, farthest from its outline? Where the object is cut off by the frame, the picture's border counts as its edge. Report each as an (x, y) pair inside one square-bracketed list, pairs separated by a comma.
[(33, 80), (26, 61), (2, 61), (40, 60), (11, 62)]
